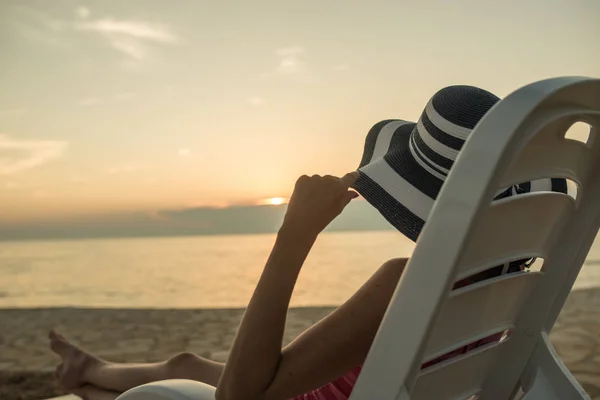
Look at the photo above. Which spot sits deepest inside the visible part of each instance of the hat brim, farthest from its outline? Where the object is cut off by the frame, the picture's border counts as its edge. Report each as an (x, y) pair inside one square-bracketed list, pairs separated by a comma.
[(393, 182), (400, 184)]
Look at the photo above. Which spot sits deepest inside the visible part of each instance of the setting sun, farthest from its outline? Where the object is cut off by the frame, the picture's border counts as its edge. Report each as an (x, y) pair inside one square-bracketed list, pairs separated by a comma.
[(274, 201)]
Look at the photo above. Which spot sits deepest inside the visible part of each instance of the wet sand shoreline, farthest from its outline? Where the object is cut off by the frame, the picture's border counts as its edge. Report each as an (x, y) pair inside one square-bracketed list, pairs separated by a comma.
[(146, 335)]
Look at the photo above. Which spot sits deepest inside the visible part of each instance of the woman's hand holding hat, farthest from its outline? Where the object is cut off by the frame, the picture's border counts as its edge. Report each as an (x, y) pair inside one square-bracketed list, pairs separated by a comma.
[(316, 201)]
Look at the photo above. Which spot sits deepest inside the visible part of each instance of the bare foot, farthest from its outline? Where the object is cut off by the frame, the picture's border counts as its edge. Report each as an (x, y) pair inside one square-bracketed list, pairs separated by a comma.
[(75, 362), (89, 392)]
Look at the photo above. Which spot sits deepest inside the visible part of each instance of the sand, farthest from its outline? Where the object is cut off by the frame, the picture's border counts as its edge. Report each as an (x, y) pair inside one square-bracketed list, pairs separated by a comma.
[(128, 335)]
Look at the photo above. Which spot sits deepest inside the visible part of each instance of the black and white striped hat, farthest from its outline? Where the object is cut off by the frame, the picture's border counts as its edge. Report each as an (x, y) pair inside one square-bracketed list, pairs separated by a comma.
[(405, 164)]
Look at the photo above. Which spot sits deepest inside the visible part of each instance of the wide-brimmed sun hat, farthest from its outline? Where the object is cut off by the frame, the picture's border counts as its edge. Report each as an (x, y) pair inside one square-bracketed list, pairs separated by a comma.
[(405, 164)]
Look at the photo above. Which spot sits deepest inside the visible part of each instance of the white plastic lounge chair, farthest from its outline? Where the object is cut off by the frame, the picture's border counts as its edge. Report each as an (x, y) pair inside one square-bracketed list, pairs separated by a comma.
[(520, 139)]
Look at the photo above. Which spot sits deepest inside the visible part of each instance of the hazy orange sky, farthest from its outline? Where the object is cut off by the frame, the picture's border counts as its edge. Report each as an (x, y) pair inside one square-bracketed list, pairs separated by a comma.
[(139, 105)]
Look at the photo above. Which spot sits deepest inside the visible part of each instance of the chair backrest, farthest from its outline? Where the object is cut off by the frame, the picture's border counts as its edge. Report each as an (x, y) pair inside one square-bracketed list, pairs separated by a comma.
[(522, 138)]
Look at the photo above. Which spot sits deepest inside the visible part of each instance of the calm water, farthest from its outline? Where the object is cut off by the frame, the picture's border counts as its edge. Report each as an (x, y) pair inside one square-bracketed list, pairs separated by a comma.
[(209, 271)]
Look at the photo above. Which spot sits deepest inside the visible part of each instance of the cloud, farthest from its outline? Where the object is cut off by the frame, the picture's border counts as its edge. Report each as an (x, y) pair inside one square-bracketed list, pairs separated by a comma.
[(89, 101), (82, 12), (358, 215), (127, 167), (256, 101), (130, 47), (36, 153), (289, 66), (290, 61), (130, 38), (184, 152), (340, 67), (136, 29)]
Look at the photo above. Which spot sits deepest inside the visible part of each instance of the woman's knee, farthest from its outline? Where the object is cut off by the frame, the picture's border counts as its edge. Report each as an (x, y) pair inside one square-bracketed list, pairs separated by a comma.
[(182, 362)]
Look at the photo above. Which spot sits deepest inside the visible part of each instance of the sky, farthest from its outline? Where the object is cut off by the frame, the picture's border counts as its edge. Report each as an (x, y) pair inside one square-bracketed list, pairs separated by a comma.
[(114, 109)]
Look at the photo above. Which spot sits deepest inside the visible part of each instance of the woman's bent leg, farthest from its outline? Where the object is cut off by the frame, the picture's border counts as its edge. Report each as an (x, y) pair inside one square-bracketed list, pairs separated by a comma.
[(79, 368)]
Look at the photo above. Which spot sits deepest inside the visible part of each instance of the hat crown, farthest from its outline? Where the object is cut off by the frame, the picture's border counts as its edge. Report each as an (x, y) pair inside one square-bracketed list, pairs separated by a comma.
[(463, 105), (446, 123)]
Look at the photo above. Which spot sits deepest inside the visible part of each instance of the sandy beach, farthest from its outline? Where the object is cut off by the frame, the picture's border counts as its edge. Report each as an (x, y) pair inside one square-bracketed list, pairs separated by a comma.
[(128, 335)]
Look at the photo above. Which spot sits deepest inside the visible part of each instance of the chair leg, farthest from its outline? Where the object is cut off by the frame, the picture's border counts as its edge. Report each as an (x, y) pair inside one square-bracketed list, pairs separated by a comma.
[(548, 378)]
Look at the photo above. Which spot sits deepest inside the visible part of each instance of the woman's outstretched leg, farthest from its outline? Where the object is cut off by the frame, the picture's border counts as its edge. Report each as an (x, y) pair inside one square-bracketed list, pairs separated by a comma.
[(89, 392), (79, 368)]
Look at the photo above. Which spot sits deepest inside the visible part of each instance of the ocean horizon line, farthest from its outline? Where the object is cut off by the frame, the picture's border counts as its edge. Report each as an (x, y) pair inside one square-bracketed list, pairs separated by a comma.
[(60, 238)]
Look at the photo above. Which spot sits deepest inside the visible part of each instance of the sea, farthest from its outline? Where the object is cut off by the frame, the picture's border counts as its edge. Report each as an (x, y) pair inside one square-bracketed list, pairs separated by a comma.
[(195, 272)]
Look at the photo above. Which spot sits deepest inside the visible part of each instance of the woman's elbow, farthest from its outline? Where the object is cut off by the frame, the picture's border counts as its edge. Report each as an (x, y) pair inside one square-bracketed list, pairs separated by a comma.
[(220, 393), (224, 392), (229, 392)]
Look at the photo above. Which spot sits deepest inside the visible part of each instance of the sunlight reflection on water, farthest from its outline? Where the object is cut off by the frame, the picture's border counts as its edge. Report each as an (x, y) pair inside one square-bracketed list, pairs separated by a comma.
[(182, 272)]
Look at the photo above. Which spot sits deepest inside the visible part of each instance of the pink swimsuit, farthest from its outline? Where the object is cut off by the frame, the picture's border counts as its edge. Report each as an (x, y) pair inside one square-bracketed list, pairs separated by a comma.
[(341, 388)]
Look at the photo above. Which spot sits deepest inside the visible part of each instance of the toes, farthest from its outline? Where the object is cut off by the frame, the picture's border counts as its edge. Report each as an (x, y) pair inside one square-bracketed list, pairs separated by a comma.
[(58, 370), (53, 335), (59, 345)]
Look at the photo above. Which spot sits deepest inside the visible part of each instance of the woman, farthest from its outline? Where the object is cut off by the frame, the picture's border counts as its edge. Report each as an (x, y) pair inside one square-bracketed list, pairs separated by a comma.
[(403, 168)]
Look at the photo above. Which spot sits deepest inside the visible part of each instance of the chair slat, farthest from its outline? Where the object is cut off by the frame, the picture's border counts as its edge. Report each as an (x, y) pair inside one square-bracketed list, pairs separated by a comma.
[(570, 159), (479, 310), (516, 227), (457, 379)]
